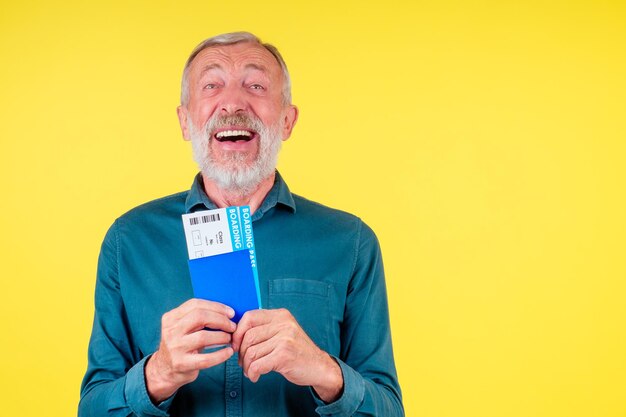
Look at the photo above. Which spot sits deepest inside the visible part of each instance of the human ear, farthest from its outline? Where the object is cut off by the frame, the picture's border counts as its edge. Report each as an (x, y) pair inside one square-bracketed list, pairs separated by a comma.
[(290, 118), (181, 111)]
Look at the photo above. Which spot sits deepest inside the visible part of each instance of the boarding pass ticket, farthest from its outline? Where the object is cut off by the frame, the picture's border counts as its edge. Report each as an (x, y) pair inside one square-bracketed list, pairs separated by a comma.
[(214, 232)]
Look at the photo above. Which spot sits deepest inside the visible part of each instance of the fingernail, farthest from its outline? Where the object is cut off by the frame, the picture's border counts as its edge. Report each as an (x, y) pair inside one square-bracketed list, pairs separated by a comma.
[(231, 312)]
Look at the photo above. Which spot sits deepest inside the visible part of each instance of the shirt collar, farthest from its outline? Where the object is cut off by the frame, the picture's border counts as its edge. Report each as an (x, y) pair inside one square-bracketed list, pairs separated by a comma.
[(279, 194)]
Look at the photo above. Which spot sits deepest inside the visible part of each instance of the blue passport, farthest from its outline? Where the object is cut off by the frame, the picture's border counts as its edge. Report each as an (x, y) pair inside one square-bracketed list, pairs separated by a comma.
[(222, 257)]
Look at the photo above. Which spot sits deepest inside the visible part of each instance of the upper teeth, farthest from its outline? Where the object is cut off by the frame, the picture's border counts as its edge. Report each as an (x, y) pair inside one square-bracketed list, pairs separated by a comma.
[(226, 133)]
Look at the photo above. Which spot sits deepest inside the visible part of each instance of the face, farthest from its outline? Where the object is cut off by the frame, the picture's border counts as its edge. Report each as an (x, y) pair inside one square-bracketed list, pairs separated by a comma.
[(236, 116)]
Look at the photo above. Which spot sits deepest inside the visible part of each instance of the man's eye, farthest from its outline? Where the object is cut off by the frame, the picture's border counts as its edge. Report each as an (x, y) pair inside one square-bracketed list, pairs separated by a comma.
[(256, 87), (210, 86)]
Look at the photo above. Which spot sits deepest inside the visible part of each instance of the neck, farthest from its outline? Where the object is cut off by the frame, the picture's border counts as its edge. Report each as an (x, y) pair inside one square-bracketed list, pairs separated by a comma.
[(226, 198)]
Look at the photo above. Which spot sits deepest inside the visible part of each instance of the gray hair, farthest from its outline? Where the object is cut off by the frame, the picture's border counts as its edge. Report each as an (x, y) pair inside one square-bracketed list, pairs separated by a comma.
[(231, 39)]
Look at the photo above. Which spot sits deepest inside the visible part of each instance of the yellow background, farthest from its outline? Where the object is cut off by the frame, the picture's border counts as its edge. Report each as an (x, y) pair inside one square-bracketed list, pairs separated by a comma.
[(484, 142)]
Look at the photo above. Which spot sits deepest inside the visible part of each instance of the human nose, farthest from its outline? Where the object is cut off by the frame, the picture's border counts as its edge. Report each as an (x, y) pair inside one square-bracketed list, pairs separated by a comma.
[(233, 100)]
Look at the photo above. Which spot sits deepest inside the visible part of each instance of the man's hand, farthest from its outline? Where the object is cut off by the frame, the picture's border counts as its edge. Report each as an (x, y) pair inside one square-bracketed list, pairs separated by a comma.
[(272, 340), (179, 358)]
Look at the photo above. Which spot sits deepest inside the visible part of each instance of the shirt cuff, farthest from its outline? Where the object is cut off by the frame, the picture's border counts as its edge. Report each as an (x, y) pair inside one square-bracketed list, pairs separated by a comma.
[(351, 398), (137, 396)]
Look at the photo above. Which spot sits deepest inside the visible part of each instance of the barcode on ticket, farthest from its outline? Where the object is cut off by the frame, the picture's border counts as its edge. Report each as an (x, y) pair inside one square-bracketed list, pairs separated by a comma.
[(207, 218)]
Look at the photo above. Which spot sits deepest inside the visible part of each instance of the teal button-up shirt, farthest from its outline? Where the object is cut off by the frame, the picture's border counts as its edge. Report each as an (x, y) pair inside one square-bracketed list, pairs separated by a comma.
[(323, 265)]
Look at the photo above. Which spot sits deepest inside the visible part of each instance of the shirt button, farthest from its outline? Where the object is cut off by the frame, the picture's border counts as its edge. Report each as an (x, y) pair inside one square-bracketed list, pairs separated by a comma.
[(233, 394)]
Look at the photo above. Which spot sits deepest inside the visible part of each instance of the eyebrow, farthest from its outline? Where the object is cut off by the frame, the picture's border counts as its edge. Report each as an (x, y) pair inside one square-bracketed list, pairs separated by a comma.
[(256, 67), (210, 67)]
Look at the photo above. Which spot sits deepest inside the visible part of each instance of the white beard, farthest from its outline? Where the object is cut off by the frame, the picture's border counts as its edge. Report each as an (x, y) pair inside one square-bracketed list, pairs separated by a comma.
[(235, 172)]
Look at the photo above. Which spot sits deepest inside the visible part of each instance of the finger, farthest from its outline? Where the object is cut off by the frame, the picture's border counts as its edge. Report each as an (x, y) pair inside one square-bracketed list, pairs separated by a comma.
[(205, 338), (198, 319), (198, 303), (256, 352), (255, 336), (249, 320), (208, 360), (262, 366)]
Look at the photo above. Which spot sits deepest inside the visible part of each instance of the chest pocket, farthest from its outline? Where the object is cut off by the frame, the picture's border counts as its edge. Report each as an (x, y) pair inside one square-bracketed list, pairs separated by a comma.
[(308, 301)]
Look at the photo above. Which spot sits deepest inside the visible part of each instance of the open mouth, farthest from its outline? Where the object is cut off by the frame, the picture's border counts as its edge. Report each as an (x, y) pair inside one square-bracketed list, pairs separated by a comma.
[(235, 135)]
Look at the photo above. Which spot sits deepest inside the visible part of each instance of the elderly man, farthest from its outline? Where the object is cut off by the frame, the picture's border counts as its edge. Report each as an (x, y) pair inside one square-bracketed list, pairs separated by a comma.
[(322, 346)]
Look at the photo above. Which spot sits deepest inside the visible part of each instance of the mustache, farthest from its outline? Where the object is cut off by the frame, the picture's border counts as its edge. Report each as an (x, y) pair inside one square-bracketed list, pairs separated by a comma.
[(246, 120)]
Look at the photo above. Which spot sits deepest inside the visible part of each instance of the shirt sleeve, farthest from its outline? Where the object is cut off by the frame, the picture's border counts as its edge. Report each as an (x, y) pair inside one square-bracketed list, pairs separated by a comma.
[(366, 360), (114, 384)]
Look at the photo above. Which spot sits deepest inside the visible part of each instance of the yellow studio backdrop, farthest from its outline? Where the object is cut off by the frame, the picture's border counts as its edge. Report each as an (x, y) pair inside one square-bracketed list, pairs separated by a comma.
[(484, 142)]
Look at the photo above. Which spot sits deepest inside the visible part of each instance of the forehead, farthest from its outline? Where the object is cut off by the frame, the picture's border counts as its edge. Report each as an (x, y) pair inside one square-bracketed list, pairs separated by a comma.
[(239, 56)]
